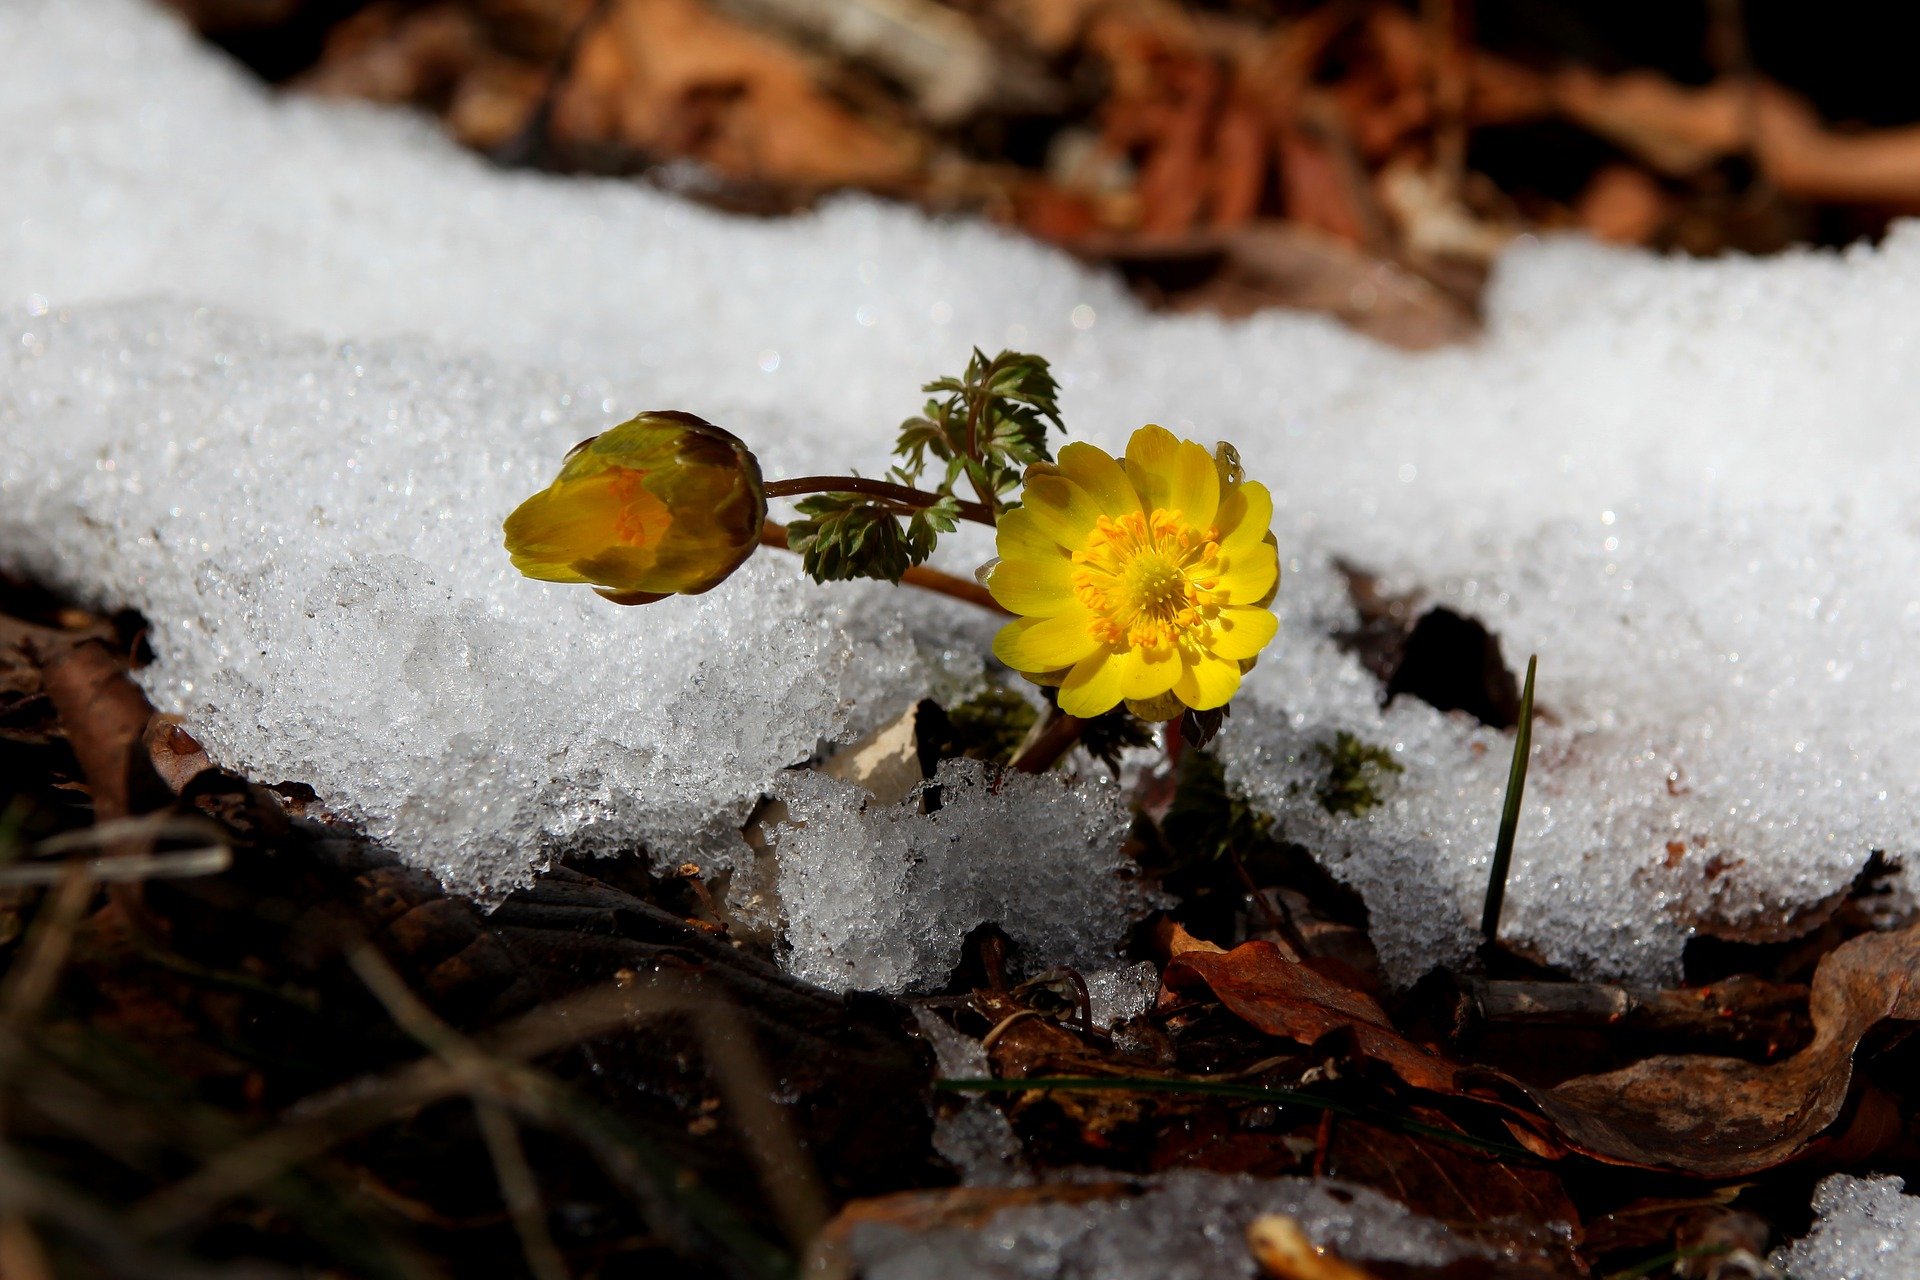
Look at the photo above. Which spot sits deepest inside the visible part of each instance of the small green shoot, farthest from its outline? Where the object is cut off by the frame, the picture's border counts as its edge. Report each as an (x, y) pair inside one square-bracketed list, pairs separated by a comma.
[(1510, 813)]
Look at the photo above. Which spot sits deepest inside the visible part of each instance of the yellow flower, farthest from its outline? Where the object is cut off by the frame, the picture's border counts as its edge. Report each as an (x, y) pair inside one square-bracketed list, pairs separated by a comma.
[(1145, 580), (663, 504)]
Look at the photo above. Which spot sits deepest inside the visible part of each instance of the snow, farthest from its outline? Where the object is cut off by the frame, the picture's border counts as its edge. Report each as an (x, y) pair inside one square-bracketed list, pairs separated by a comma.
[(1867, 1230), (274, 370), (1186, 1225), (880, 896)]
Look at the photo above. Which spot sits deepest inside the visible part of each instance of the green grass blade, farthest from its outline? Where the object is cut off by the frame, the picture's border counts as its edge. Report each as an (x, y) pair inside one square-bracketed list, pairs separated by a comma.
[(1510, 813)]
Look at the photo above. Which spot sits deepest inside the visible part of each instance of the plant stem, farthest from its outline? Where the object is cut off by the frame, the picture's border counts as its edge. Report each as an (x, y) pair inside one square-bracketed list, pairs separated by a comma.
[(1050, 739), (973, 440), (977, 512), (774, 534), (1510, 813)]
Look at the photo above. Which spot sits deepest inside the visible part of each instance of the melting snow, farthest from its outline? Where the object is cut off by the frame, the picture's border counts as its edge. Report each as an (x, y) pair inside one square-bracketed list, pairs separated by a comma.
[(1866, 1230), (273, 370)]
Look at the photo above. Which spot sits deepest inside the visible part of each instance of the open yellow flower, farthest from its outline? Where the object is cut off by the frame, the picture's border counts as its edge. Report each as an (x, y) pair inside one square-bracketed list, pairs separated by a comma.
[(663, 504), (1144, 580)]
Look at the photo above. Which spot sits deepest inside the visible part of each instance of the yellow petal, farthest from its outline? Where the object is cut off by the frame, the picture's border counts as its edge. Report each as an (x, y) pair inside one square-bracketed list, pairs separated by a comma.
[(1036, 587), (1092, 688), (1193, 489), (1174, 475), (1062, 509), (1146, 675), (1246, 513), (1208, 683), (564, 523), (1249, 576), (1150, 456), (1103, 478), (626, 568), (1018, 534), (1241, 631), (1046, 644)]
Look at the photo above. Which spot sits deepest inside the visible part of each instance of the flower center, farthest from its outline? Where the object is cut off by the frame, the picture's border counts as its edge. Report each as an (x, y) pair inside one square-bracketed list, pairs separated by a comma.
[(1152, 580)]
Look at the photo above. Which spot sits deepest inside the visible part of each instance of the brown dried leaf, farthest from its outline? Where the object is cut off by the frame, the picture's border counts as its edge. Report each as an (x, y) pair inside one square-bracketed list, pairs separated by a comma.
[(1722, 1117), (671, 77), (1521, 1209), (1283, 997), (1711, 1116)]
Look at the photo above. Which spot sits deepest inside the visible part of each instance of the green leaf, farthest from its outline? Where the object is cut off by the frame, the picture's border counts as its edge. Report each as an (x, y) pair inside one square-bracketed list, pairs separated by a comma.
[(989, 425), (841, 536)]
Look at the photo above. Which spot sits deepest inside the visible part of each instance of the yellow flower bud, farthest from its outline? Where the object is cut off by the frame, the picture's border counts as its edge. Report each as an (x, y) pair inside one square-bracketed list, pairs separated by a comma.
[(663, 504)]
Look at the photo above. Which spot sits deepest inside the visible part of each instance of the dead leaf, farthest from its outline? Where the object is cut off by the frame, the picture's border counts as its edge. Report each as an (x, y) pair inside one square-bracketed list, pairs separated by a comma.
[(1724, 1118), (1283, 997), (1698, 1114), (1521, 1210), (673, 78)]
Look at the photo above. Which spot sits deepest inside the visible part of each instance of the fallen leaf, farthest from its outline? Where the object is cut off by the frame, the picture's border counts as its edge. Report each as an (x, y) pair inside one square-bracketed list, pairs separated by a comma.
[(1710, 1116), (1283, 997), (1724, 1118)]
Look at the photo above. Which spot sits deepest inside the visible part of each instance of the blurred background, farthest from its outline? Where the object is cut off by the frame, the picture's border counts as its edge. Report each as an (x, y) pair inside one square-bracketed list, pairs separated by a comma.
[(1362, 158)]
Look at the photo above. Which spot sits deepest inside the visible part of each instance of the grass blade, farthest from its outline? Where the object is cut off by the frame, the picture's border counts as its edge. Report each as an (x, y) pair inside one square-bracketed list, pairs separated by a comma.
[(1510, 812)]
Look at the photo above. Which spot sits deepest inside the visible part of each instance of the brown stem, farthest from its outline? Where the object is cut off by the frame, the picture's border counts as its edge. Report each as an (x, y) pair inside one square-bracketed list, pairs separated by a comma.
[(977, 512), (774, 534), (1051, 739)]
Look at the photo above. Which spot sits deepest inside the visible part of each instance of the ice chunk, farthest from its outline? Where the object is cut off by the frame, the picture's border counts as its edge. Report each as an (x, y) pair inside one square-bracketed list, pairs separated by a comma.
[(881, 896), (1867, 1230), (969, 1131), (1186, 1225), (1687, 485), (1121, 993)]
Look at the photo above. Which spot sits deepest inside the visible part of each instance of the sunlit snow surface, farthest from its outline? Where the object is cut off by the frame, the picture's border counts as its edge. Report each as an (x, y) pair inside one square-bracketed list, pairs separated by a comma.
[(1688, 486)]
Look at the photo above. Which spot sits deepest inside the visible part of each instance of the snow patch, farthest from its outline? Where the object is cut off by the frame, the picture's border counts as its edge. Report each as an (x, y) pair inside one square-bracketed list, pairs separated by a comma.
[(1687, 485)]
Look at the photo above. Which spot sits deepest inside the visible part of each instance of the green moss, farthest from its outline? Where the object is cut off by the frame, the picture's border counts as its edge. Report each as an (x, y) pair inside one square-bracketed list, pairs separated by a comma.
[(1354, 769)]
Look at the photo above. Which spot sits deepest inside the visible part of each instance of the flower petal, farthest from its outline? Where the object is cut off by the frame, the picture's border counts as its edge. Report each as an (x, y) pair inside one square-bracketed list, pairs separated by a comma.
[(1174, 474), (1245, 515), (1208, 683), (561, 525), (1046, 644), (1193, 487), (1062, 509), (1241, 631), (1104, 479), (1032, 586), (1250, 575), (1017, 533), (1092, 688), (1146, 675)]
